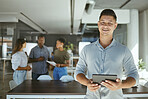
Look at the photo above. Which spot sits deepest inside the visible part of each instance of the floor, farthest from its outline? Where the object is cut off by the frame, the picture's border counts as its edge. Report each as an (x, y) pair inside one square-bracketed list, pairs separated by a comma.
[(4, 86)]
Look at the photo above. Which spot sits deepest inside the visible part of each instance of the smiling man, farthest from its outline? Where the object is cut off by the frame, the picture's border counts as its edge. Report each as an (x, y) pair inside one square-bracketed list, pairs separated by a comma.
[(106, 56)]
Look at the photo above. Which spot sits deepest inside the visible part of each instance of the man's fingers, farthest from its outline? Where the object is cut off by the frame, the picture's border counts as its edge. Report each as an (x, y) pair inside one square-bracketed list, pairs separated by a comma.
[(91, 81), (94, 84), (110, 82), (107, 85), (118, 80), (95, 88)]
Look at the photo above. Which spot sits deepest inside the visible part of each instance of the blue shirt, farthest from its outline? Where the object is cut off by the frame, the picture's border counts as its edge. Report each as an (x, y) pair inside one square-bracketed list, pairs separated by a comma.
[(39, 67), (94, 59)]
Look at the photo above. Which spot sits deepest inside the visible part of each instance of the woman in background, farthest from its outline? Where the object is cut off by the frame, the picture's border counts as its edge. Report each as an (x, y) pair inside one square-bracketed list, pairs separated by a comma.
[(19, 62), (61, 58)]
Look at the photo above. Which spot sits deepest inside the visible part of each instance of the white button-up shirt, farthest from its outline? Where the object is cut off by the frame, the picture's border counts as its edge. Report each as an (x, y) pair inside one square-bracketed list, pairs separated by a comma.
[(114, 59), (19, 59)]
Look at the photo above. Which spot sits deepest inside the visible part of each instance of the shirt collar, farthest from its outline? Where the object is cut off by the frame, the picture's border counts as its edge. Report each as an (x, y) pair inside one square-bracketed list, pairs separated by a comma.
[(113, 43), (39, 47)]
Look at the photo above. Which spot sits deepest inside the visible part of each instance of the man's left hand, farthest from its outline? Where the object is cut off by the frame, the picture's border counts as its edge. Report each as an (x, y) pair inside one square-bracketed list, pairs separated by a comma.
[(112, 85)]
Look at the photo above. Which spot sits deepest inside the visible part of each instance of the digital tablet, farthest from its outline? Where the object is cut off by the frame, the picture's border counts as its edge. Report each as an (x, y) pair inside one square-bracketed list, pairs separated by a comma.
[(98, 78)]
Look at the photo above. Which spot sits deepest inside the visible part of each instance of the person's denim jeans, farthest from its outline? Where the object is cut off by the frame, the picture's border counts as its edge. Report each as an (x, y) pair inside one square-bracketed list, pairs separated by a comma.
[(19, 76), (58, 72)]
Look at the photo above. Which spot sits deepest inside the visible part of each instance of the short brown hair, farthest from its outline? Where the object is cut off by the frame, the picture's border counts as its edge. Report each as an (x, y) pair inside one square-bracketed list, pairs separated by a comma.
[(41, 35), (108, 12)]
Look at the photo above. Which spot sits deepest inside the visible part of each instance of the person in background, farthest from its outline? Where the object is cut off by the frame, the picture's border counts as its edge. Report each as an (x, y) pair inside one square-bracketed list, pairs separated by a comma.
[(52, 56), (38, 57), (61, 58), (19, 62), (106, 56)]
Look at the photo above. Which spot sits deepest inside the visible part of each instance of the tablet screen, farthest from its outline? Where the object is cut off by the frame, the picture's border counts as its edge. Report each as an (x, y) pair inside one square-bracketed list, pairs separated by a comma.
[(98, 78)]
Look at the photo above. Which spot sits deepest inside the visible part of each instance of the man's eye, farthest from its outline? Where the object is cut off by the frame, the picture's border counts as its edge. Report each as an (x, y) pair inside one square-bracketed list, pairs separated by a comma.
[(110, 24), (102, 23)]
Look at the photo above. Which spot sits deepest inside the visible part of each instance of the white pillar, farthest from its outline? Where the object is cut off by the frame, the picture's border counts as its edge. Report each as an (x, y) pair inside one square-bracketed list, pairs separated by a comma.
[(133, 34), (143, 37)]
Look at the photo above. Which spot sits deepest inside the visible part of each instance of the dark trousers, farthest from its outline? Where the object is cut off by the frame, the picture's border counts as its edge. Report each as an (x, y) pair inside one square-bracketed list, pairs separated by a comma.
[(35, 76)]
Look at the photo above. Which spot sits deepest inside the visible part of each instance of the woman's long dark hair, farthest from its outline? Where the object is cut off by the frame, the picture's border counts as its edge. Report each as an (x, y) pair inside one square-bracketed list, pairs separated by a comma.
[(18, 45)]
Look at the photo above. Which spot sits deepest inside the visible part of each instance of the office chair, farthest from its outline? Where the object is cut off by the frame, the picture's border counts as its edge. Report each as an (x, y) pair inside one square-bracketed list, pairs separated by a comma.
[(66, 78), (12, 84), (44, 77)]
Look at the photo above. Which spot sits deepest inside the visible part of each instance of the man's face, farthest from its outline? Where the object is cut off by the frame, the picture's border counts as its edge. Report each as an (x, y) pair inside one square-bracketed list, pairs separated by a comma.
[(41, 41), (107, 25)]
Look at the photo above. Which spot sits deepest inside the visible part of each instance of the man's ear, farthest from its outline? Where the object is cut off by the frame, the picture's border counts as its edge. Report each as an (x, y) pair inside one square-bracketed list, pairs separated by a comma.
[(98, 24), (116, 24)]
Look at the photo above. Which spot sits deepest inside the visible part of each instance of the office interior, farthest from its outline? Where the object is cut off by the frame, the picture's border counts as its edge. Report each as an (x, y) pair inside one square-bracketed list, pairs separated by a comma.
[(74, 20)]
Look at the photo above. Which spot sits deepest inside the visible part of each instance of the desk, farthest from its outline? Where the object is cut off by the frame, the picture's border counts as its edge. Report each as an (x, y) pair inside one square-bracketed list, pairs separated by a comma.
[(47, 89), (4, 65), (57, 89), (139, 91)]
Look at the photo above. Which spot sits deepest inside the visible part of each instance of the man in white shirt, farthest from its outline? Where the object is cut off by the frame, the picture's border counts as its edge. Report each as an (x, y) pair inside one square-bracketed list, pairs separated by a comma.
[(106, 56)]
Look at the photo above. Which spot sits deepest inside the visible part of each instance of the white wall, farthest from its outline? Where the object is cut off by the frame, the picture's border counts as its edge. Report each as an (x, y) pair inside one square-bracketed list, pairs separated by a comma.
[(123, 16), (143, 37), (133, 34)]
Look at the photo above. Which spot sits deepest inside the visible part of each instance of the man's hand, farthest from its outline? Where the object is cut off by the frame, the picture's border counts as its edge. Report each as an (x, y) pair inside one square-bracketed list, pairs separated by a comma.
[(41, 58), (28, 68), (112, 85), (92, 87)]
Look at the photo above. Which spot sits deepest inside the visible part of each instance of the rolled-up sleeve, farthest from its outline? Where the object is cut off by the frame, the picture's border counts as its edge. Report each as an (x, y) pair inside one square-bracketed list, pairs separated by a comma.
[(16, 61), (81, 65), (129, 66)]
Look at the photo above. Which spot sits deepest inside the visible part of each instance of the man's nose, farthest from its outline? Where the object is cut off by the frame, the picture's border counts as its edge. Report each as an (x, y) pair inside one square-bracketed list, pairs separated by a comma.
[(106, 24)]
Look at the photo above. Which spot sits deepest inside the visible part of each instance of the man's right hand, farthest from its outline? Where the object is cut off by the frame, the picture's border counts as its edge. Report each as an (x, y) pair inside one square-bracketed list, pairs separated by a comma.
[(28, 68), (93, 87), (41, 58)]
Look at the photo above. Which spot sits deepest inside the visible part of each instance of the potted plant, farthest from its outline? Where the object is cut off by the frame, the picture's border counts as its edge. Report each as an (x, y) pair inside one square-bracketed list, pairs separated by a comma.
[(141, 64), (69, 47)]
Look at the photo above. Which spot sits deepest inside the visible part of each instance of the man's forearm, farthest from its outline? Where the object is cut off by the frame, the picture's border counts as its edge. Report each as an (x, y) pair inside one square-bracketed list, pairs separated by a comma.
[(33, 60), (82, 79), (129, 82), (21, 68)]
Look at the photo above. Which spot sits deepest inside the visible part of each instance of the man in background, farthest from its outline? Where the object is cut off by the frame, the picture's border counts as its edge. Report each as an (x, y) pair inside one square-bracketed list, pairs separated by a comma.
[(38, 57)]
